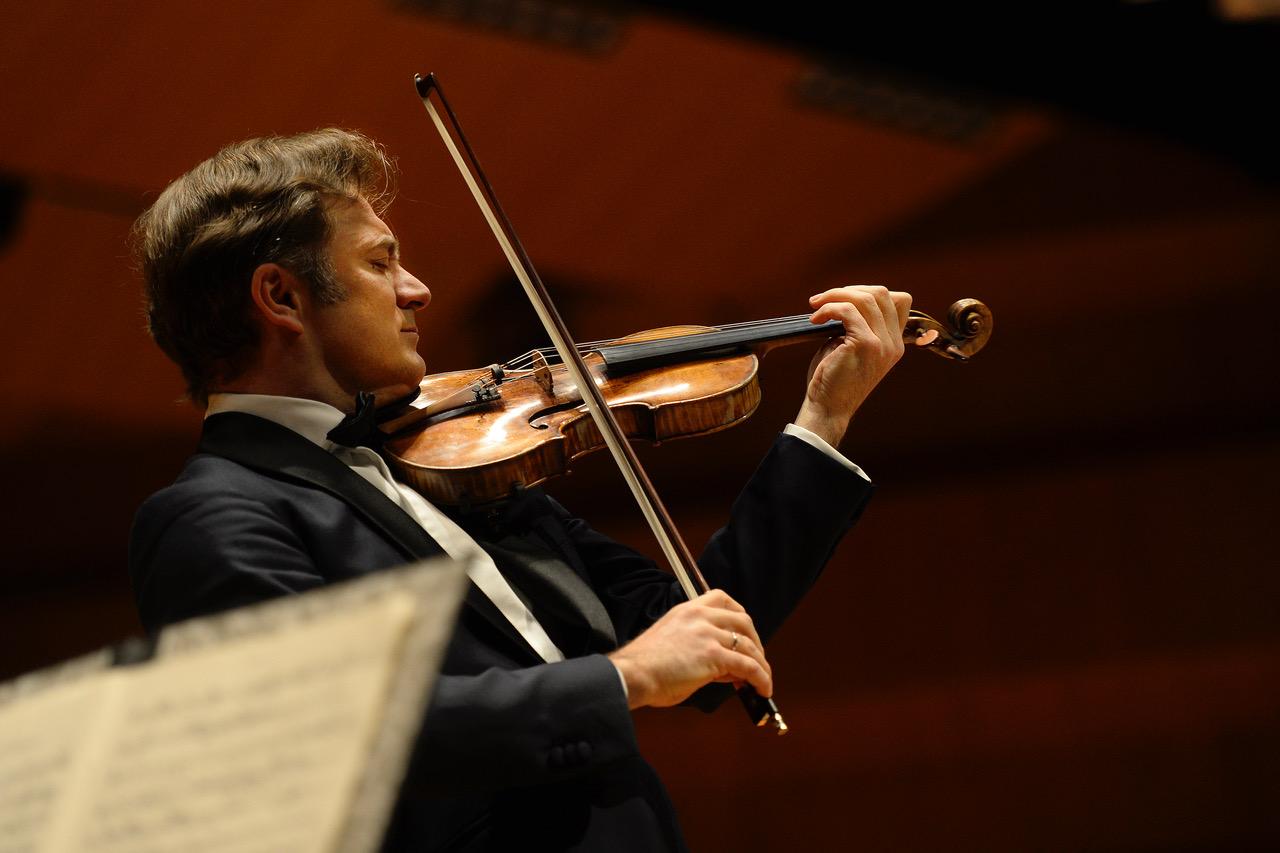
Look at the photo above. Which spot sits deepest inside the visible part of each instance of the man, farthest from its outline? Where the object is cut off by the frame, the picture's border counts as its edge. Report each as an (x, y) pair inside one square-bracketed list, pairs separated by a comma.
[(277, 288)]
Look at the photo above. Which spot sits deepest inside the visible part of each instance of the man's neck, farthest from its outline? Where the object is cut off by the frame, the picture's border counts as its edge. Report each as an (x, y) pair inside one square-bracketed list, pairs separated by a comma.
[(277, 387)]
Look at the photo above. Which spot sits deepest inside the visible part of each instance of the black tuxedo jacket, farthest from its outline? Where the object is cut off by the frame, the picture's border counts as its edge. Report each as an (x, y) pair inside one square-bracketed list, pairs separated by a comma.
[(514, 752)]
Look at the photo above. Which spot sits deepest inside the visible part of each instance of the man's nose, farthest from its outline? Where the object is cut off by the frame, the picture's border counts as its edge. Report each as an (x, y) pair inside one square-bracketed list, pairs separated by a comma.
[(412, 293)]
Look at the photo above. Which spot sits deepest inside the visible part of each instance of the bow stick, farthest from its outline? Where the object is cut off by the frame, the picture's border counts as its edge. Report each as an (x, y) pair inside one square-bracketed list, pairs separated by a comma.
[(761, 710)]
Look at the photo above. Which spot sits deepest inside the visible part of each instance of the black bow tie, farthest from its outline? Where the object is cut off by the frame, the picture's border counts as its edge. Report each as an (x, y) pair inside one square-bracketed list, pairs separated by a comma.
[(360, 428)]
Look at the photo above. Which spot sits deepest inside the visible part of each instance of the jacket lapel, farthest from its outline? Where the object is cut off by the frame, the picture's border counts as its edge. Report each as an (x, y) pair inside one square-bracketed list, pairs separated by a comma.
[(561, 601), (274, 450)]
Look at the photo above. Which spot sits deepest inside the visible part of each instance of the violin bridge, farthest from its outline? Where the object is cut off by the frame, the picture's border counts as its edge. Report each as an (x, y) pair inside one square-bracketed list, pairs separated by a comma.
[(542, 373)]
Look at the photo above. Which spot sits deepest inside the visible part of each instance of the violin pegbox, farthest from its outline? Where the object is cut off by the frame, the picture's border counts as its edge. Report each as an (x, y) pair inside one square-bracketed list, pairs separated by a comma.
[(966, 331)]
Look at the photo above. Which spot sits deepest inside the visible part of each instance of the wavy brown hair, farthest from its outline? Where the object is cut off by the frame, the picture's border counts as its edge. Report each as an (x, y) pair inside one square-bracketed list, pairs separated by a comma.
[(258, 201)]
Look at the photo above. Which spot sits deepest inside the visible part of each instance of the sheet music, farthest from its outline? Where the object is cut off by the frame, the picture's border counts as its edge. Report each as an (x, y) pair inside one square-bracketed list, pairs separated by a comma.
[(40, 738), (283, 727)]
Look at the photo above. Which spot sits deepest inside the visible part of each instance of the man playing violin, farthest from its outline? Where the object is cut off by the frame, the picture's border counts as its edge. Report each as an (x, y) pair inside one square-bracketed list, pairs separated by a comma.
[(279, 291)]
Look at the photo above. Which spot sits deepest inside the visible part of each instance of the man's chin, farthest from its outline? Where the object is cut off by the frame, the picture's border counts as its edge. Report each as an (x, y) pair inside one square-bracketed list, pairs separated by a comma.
[(395, 393)]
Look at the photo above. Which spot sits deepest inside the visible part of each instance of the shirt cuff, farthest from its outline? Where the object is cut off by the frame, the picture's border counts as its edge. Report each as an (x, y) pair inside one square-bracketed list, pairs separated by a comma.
[(626, 694), (810, 438)]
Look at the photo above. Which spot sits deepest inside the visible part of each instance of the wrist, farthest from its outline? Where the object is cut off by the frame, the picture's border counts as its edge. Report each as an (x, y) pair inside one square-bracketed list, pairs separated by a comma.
[(830, 428), (635, 683)]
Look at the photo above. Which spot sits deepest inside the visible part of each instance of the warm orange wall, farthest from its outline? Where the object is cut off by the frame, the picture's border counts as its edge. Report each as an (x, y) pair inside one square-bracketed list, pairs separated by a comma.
[(1057, 626)]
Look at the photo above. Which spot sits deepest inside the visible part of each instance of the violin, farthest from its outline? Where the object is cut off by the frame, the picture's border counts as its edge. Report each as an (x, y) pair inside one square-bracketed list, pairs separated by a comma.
[(473, 437)]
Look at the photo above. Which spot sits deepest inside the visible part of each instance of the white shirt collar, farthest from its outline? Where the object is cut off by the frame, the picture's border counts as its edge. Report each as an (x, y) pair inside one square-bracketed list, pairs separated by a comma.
[(310, 419)]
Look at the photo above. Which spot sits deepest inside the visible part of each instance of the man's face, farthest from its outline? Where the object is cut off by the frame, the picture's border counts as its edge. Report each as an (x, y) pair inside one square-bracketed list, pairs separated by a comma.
[(369, 340)]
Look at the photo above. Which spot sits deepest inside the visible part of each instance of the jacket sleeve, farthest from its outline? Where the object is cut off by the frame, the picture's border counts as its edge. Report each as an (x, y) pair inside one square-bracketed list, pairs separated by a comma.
[(514, 727), (781, 531)]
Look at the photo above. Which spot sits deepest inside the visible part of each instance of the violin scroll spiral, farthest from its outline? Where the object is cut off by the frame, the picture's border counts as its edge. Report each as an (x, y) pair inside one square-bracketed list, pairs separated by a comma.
[(966, 331)]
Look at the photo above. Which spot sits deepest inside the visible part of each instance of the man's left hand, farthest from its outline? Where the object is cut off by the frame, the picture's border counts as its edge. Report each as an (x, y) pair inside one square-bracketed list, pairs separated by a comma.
[(845, 371)]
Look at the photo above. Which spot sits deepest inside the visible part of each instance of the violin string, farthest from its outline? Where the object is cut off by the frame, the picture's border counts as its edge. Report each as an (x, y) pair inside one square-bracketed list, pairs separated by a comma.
[(526, 360)]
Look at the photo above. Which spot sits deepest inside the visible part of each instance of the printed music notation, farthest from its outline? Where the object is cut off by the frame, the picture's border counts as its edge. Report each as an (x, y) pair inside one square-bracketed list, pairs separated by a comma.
[(280, 727)]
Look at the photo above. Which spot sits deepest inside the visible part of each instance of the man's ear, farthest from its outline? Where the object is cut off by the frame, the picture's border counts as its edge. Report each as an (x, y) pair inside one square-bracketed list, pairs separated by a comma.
[(277, 297)]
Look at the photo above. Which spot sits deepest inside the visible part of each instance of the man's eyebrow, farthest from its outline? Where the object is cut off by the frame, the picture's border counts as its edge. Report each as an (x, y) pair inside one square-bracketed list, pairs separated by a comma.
[(390, 244)]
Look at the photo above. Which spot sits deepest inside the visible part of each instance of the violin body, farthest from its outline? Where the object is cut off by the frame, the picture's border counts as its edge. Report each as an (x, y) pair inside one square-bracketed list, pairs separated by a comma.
[(539, 424)]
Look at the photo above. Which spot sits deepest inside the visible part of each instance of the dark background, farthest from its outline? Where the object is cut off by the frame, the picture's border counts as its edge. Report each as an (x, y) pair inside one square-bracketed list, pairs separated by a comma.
[(1056, 627)]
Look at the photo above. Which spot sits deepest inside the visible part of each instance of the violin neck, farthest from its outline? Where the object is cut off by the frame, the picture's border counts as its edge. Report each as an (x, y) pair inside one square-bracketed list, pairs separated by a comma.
[(758, 337)]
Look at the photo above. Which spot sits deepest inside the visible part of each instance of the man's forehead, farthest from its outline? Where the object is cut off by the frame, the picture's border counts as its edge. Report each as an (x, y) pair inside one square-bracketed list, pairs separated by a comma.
[(355, 220)]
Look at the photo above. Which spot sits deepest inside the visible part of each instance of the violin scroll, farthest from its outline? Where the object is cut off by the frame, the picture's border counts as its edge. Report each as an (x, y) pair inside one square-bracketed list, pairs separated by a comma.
[(966, 331)]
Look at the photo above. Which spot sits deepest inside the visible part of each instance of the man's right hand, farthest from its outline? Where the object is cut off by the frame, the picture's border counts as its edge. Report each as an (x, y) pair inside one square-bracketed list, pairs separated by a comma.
[(708, 639)]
